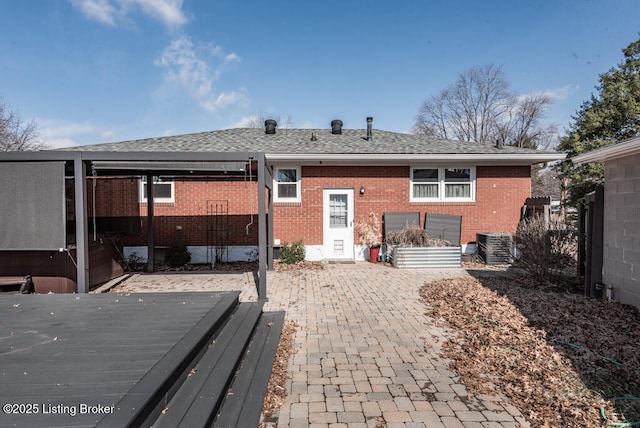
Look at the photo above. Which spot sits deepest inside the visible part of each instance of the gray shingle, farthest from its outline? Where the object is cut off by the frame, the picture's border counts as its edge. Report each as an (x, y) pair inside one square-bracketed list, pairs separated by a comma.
[(298, 141)]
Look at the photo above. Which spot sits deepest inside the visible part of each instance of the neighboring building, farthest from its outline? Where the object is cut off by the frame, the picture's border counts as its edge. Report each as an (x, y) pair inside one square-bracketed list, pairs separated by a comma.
[(621, 225), (324, 181)]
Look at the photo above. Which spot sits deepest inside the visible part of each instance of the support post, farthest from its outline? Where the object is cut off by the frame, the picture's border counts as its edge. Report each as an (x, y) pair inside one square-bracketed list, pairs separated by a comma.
[(269, 187), (582, 238), (82, 250), (262, 231), (150, 237), (270, 228), (596, 238)]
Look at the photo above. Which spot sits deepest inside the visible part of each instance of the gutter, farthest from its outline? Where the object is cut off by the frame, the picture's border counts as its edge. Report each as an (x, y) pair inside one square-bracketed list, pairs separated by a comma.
[(410, 159), (613, 151)]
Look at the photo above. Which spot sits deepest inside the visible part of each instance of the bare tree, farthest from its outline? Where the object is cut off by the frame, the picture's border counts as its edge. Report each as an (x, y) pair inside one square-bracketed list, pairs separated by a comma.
[(433, 118), (16, 135), (522, 125), (545, 182), (481, 107)]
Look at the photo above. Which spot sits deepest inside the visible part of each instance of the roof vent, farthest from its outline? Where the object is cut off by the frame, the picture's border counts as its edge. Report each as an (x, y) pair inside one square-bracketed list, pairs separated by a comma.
[(369, 129), (270, 126), (313, 137), (336, 127)]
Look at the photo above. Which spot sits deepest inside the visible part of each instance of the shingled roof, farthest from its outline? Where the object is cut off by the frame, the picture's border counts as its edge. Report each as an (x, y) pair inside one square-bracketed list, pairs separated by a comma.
[(289, 143)]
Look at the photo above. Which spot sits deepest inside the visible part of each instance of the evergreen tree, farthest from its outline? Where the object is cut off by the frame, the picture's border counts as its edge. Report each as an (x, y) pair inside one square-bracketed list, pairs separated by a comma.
[(610, 116)]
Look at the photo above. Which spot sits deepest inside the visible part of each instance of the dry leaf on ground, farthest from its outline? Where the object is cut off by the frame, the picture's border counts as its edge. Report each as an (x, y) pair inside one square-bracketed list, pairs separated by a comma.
[(276, 391), (558, 356)]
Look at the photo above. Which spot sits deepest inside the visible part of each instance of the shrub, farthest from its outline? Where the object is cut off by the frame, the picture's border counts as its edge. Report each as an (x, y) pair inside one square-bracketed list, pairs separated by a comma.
[(177, 254), (545, 248), (292, 254), (369, 231), (409, 236)]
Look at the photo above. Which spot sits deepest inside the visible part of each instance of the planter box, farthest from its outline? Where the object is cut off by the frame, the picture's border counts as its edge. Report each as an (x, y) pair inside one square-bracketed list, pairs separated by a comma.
[(426, 257)]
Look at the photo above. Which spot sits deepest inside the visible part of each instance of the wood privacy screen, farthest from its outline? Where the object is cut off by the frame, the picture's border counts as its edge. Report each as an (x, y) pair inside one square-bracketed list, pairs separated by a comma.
[(32, 199)]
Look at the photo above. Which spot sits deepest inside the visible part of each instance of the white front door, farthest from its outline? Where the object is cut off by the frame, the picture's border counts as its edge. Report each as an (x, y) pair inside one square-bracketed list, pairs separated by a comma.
[(338, 223)]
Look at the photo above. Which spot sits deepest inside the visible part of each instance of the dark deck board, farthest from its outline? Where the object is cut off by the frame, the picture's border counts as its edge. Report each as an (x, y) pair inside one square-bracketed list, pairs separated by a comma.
[(195, 402), (145, 401), (243, 407), (92, 349)]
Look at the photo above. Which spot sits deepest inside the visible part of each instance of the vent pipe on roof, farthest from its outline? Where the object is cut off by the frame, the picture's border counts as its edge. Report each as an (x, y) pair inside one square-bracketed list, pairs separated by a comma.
[(369, 128), (270, 126), (336, 126)]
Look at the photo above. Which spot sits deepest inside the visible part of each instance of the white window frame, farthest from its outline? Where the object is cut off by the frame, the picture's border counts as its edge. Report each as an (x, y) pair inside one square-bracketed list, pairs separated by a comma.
[(143, 195), (277, 197), (441, 184)]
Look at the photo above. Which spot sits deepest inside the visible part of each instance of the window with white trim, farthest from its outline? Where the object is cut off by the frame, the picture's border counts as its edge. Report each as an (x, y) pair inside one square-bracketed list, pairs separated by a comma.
[(163, 190), (286, 184), (430, 184)]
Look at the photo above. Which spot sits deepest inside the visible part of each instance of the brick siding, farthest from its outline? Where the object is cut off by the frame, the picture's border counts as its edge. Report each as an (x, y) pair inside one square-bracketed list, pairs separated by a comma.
[(500, 194)]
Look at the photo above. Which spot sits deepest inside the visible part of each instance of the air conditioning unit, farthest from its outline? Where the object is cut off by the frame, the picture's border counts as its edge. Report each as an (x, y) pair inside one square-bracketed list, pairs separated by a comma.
[(495, 248)]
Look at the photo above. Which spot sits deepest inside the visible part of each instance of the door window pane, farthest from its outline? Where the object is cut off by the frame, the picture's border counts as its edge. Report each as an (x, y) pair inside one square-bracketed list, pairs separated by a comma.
[(338, 211)]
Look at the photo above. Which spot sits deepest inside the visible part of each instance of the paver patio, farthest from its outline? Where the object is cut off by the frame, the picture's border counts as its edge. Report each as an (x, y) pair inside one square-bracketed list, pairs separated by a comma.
[(366, 355)]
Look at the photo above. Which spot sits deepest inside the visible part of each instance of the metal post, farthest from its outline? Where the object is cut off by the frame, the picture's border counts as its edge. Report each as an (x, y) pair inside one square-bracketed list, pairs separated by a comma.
[(269, 186), (582, 238), (270, 228), (150, 237), (82, 250), (262, 231), (597, 239)]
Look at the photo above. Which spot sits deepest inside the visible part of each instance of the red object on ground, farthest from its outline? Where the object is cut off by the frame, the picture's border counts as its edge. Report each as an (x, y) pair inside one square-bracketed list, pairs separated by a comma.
[(374, 252)]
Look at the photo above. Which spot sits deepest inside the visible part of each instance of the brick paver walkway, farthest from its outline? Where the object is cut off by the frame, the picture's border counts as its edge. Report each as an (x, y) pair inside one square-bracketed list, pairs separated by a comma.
[(366, 355)]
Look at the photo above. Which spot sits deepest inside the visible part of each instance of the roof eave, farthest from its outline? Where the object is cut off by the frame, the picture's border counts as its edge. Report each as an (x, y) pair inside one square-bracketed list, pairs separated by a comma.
[(125, 156), (408, 159), (613, 151)]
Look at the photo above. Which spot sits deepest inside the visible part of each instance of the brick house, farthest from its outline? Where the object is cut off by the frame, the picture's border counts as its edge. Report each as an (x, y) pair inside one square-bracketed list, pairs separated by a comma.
[(324, 180), (619, 255)]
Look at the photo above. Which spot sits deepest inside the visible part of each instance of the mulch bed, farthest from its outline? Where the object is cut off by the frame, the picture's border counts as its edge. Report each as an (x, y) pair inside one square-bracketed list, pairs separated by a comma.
[(560, 358), (278, 266), (276, 391)]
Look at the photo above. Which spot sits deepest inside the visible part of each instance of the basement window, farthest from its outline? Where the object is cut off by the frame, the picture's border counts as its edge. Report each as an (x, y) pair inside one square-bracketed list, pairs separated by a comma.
[(163, 190), (443, 184), (287, 184)]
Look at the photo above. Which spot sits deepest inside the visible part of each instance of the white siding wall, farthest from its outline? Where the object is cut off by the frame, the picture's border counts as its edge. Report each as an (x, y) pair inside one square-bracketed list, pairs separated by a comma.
[(621, 262)]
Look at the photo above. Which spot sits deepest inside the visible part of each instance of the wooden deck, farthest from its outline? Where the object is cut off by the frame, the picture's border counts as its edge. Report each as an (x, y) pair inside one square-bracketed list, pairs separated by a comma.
[(162, 359)]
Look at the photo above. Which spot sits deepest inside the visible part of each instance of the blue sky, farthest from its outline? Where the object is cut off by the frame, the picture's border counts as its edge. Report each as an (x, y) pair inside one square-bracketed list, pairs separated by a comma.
[(93, 71)]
